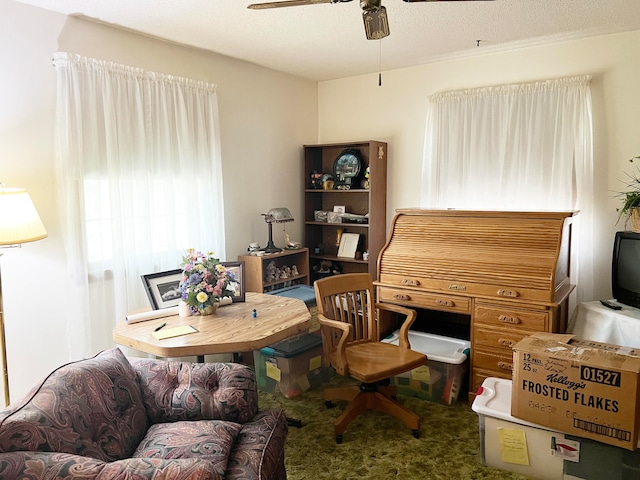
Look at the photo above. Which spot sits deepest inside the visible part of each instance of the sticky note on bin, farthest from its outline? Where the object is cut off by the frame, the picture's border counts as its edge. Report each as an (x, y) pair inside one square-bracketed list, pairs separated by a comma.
[(422, 374)]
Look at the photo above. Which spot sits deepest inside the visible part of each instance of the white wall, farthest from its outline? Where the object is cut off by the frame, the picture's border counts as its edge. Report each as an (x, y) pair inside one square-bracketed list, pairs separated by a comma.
[(357, 108), (265, 116)]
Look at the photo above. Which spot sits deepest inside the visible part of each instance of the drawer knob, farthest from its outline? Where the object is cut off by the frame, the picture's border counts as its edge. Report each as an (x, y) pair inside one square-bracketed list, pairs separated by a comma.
[(505, 342), (445, 303), (508, 319), (411, 282), (508, 293), (400, 296), (505, 366)]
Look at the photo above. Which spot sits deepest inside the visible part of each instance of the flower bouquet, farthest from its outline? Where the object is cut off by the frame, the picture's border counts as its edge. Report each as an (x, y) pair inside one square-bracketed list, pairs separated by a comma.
[(205, 281)]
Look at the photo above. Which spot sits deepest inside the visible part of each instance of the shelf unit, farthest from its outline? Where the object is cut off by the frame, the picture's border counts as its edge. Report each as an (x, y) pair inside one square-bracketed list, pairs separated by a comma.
[(255, 270), (357, 200)]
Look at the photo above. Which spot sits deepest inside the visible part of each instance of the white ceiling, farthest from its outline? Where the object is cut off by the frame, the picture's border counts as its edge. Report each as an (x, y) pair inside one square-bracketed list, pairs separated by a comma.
[(327, 41)]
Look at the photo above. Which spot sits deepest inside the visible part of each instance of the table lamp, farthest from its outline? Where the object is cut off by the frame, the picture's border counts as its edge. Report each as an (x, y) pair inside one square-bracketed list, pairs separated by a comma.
[(19, 223), (275, 215)]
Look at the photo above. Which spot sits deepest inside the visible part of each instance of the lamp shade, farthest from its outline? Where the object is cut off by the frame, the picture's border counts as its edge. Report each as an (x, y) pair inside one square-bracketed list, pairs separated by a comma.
[(19, 220), (278, 215)]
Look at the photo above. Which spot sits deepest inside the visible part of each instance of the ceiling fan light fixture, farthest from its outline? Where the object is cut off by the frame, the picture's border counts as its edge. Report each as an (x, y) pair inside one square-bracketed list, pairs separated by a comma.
[(370, 5), (376, 24)]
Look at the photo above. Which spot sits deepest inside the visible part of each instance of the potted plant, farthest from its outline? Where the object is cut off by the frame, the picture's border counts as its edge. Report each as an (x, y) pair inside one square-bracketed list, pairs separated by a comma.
[(631, 198)]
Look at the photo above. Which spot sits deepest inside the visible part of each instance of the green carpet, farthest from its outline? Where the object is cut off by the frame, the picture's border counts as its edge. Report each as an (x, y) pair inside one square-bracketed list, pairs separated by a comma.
[(380, 447)]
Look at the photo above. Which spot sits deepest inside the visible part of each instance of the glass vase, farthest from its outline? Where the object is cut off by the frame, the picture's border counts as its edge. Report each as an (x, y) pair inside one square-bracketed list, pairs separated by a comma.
[(208, 309)]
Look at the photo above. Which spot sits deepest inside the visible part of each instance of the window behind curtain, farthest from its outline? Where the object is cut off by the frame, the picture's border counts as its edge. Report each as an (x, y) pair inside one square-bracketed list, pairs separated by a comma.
[(515, 147), (140, 179)]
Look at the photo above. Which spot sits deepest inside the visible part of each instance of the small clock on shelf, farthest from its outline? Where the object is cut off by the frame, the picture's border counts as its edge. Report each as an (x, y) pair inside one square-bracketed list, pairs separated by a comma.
[(346, 168)]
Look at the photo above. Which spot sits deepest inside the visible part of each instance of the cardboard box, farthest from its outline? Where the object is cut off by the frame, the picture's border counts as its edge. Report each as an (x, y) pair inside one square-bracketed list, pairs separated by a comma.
[(583, 388)]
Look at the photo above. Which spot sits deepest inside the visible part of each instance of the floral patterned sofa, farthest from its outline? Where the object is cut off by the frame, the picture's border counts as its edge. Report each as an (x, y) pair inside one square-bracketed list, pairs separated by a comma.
[(110, 418)]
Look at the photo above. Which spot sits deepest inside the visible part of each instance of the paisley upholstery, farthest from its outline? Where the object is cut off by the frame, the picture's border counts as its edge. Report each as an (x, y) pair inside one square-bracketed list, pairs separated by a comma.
[(91, 408), (175, 391), (210, 440), (109, 418), (65, 466)]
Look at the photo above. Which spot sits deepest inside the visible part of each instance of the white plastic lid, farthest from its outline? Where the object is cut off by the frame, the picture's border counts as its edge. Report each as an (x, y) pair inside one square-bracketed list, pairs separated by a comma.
[(493, 399), (436, 347)]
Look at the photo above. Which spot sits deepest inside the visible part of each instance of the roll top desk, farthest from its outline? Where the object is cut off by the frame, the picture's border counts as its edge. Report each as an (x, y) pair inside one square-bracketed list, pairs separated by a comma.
[(507, 272)]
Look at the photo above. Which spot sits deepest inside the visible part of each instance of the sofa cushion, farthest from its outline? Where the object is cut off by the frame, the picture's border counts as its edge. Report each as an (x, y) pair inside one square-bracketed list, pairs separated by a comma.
[(91, 407), (65, 466), (177, 391), (210, 440), (258, 452)]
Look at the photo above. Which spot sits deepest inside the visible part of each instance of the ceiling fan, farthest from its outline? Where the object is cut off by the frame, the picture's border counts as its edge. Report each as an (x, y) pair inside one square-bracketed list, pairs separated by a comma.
[(376, 24)]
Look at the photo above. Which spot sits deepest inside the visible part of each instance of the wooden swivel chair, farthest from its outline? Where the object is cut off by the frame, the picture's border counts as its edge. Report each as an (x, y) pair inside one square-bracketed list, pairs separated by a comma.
[(348, 320)]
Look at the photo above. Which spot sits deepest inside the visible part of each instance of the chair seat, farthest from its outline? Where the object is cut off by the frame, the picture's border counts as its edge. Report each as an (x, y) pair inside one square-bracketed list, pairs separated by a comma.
[(371, 362)]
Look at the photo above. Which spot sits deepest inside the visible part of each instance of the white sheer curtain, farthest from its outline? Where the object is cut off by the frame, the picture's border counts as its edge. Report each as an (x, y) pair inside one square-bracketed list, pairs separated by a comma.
[(140, 177), (516, 147)]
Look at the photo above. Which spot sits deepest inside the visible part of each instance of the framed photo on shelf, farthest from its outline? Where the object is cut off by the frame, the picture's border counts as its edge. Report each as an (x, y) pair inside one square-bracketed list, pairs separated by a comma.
[(348, 245), (162, 288), (237, 269), (334, 217)]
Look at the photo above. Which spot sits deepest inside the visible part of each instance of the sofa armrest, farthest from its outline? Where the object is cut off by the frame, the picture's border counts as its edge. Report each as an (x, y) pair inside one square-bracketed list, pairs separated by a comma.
[(177, 391), (66, 466)]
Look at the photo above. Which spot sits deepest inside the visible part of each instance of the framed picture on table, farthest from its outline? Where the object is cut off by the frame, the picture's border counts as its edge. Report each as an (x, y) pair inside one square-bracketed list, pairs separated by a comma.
[(162, 288), (237, 270)]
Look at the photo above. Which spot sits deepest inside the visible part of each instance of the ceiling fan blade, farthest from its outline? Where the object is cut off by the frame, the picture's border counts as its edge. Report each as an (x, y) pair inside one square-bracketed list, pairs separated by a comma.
[(289, 3)]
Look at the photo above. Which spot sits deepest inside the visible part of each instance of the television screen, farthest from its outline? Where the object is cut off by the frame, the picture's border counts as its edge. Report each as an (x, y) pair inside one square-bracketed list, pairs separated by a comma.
[(629, 271), (625, 279)]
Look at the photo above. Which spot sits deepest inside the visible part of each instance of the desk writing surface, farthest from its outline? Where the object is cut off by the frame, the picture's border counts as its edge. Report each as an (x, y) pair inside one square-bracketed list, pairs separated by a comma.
[(594, 321), (232, 329)]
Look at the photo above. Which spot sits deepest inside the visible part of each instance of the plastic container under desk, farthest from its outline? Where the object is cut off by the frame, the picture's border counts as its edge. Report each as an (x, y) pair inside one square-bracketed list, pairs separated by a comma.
[(441, 379)]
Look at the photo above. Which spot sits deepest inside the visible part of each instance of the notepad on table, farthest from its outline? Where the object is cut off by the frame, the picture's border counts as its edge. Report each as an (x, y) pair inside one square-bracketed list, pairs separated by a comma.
[(174, 332)]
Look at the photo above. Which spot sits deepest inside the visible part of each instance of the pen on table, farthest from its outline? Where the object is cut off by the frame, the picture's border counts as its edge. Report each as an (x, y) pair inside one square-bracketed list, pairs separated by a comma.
[(158, 328)]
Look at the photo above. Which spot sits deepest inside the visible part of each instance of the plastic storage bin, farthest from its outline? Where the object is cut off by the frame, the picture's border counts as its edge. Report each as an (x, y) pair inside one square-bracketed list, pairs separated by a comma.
[(306, 293), (493, 406), (574, 458), (292, 366), (442, 378)]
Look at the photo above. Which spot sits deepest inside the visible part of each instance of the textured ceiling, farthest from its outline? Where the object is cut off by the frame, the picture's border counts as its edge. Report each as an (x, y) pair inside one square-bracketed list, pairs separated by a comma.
[(327, 41)]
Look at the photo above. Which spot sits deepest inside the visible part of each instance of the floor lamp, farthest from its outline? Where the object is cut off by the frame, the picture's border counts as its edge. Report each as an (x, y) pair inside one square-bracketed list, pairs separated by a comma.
[(19, 223)]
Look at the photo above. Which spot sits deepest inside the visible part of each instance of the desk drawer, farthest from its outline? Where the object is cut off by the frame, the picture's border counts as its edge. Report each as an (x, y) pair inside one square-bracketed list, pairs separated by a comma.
[(417, 299), (510, 318), (501, 340), (495, 361)]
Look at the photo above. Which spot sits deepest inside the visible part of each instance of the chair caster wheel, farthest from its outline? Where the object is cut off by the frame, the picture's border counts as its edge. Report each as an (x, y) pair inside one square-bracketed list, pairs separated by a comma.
[(338, 439), (416, 433), (329, 404)]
